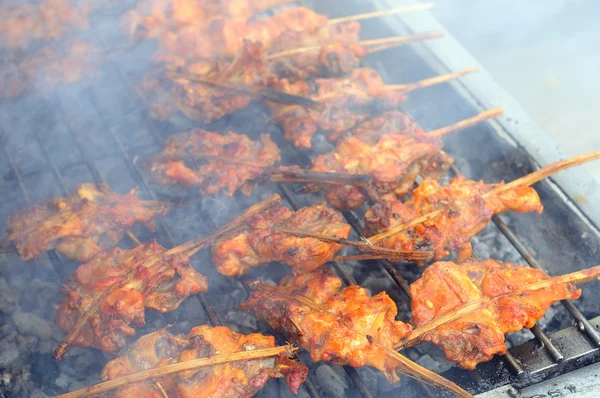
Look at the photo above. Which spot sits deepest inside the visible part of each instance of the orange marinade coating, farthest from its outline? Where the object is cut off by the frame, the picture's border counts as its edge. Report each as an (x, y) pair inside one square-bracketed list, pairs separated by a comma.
[(392, 149), (259, 243), (91, 219), (466, 211), (338, 326), (478, 336), (180, 161), (161, 287), (346, 102), (229, 380)]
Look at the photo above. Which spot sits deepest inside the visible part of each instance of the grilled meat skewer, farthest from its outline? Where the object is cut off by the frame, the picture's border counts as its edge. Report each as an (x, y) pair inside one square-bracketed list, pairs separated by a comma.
[(241, 376), (91, 219)]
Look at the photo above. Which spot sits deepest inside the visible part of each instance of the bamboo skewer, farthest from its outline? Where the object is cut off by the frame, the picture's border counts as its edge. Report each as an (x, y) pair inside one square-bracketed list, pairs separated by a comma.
[(464, 124), (417, 372), (180, 367), (527, 180), (377, 14), (433, 81), (188, 249), (364, 247), (574, 278)]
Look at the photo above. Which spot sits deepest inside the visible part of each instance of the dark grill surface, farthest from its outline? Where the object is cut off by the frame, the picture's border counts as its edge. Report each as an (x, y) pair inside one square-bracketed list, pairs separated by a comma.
[(97, 132)]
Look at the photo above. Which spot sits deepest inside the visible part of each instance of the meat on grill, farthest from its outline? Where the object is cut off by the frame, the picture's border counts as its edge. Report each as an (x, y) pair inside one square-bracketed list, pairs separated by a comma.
[(466, 209), (346, 102), (213, 162), (333, 325), (259, 241), (391, 149), (153, 18), (129, 285), (21, 24), (91, 219), (479, 335), (231, 379), (48, 68)]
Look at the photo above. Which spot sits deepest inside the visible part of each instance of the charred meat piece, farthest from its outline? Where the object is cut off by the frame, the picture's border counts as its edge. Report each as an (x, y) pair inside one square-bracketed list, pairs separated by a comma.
[(260, 242), (20, 24), (392, 149), (233, 379), (129, 287), (334, 325), (91, 219), (213, 162), (479, 335), (346, 102), (466, 210)]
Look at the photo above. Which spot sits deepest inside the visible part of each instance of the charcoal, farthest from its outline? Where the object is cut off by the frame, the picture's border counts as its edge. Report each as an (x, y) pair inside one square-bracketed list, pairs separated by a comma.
[(7, 299), (332, 380), (32, 325)]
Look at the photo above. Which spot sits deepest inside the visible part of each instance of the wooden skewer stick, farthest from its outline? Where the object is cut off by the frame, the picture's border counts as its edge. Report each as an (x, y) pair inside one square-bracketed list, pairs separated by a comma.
[(377, 14), (179, 367), (574, 278), (400, 40), (188, 249), (361, 180), (389, 42), (417, 372), (521, 182), (364, 247), (472, 121), (431, 81)]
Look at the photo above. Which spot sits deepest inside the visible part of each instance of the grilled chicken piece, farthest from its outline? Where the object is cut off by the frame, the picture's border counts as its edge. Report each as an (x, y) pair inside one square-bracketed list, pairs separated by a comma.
[(260, 242), (213, 162), (152, 18), (161, 287), (479, 335), (466, 211), (334, 326), (91, 219), (346, 102), (233, 379), (20, 24), (392, 149), (49, 68)]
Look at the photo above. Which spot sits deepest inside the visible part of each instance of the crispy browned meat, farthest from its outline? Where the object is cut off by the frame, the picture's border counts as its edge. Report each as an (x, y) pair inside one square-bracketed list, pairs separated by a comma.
[(479, 335), (230, 380), (333, 325), (392, 149), (346, 102), (49, 68), (213, 162), (161, 287), (152, 18), (20, 24), (172, 91), (80, 225), (260, 242), (466, 211)]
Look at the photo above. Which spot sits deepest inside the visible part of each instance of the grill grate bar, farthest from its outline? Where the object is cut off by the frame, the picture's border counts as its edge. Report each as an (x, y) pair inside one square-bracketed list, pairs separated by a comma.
[(54, 259), (583, 324)]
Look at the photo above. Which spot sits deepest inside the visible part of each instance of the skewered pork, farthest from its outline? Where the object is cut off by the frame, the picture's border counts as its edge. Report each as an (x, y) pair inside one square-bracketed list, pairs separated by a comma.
[(20, 24), (260, 241), (126, 285), (479, 335), (333, 325), (213, 162), (91, 219), (232, 379), (392, 149), (466, 208), (346, 102)]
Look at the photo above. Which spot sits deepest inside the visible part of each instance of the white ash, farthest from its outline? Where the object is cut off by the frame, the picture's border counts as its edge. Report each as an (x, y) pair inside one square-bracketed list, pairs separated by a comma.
[(332, 379)]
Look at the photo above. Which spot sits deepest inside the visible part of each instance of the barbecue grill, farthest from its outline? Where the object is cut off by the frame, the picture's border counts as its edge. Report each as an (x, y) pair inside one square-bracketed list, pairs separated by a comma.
[(99, 129)]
